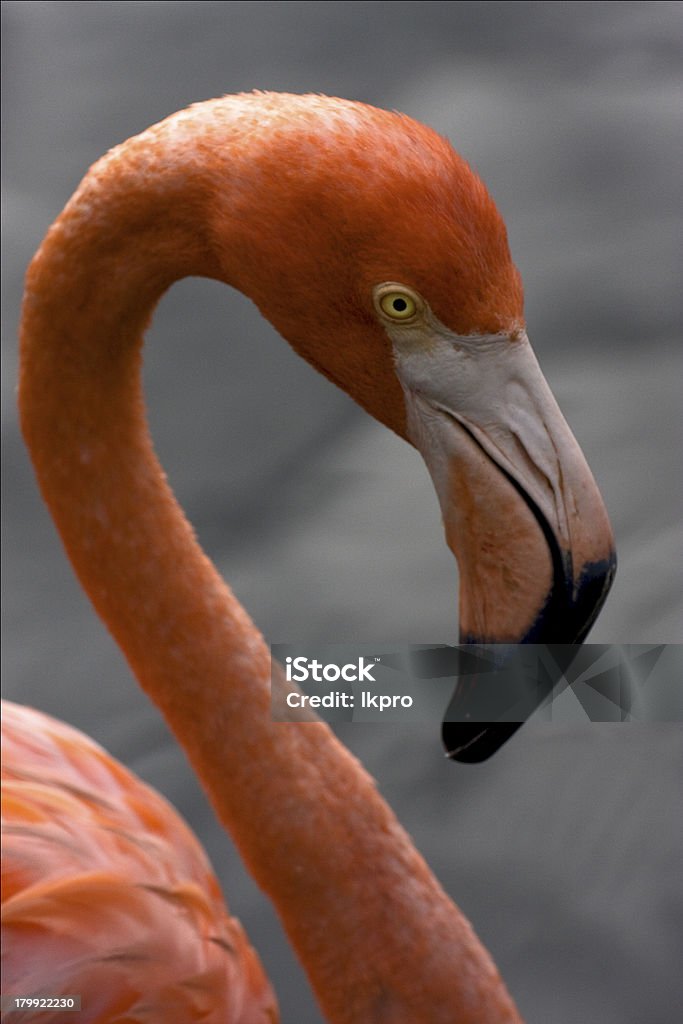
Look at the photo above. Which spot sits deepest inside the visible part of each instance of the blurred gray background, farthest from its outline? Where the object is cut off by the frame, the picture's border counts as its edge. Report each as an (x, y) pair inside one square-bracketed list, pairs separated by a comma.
[(565, 850)]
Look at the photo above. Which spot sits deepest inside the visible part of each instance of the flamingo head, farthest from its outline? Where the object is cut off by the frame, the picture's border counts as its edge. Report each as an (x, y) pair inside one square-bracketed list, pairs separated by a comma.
[(379, 255)]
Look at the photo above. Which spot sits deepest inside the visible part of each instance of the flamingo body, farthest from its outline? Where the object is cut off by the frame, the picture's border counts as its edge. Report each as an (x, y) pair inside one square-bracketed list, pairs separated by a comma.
[(107, 894)]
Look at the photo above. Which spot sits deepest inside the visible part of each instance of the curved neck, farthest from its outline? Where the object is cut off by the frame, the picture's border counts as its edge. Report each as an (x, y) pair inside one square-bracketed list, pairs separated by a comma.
[(361, 907)]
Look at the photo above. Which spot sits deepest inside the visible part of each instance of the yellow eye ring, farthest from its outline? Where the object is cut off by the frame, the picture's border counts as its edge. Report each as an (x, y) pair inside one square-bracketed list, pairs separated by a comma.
[(398, 305)]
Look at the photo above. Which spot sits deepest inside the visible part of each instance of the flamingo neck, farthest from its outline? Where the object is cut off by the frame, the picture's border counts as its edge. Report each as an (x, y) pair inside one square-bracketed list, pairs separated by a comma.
[(361, 907)]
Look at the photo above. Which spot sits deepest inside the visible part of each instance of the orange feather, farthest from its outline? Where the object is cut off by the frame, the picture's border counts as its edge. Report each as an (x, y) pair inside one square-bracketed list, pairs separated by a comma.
[(108, 895)]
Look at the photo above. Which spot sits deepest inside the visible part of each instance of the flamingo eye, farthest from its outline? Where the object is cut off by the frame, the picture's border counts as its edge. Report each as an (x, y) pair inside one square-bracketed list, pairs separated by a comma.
[(397, 304)]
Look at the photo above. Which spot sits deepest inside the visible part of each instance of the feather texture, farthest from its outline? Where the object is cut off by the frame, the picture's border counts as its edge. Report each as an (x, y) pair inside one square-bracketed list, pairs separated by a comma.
[(108, 895)]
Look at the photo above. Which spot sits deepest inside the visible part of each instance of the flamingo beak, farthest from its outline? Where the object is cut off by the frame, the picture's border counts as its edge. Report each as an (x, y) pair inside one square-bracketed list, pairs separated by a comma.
[(521, 510)]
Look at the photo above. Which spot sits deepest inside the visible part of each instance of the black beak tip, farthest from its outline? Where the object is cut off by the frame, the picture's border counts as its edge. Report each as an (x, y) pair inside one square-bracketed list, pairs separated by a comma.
[(482, 717), (474, 742), (593, 586)]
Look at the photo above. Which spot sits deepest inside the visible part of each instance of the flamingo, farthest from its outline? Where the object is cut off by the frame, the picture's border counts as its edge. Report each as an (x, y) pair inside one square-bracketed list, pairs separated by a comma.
[(379, 255)]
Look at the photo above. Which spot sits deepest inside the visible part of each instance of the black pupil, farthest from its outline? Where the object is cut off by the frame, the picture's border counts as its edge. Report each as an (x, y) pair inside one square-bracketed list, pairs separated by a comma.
[(400, 305)]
